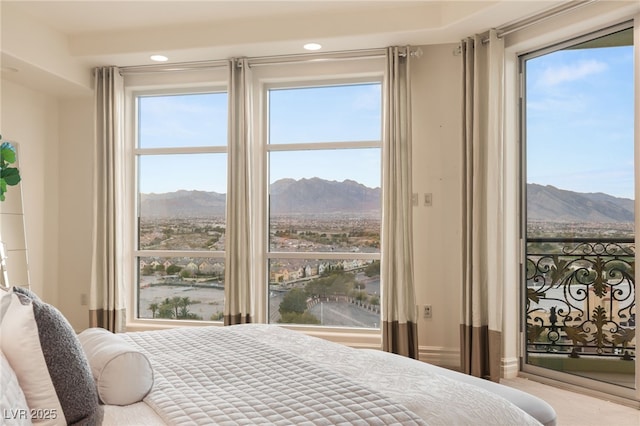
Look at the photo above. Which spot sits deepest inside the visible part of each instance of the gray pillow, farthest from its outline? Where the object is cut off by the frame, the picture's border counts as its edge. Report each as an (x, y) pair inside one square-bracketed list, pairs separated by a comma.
[(23, 290)]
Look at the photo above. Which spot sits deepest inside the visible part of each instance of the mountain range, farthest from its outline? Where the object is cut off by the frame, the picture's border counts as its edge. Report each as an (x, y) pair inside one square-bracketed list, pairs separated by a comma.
[(319, 196), (550, 204), (304, 196)]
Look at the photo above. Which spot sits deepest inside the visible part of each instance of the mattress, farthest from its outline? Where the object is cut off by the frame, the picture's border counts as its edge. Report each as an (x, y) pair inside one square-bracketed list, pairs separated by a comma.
[(264, 374)]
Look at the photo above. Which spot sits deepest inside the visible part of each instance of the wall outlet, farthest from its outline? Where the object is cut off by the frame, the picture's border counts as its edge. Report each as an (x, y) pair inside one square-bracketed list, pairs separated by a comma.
[(426, 311)]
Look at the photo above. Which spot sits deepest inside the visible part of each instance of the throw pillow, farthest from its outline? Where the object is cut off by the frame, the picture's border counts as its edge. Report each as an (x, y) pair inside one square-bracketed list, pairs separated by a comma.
[(44, 351), (122, 373)]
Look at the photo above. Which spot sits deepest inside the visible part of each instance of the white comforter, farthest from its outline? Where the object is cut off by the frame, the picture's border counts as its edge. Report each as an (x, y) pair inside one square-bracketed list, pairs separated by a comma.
[(260, 374)]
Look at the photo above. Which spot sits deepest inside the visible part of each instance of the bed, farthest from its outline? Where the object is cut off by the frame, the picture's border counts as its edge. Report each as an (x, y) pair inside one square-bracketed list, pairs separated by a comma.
[(243, 374)]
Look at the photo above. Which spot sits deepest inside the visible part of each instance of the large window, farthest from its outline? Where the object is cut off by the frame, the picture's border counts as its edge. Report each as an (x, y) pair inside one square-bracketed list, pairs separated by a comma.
[(314, 194), (579, 293), (324, 157), (181, 165)]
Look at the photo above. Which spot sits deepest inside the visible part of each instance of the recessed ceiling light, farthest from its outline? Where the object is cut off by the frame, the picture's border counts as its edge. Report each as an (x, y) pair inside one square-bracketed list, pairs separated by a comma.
[(312, 46), (159, 58)]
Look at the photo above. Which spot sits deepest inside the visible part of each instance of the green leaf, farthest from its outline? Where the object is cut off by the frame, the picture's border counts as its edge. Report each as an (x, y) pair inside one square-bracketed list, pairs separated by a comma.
[(11, 175), (8, 154), (3, 188)]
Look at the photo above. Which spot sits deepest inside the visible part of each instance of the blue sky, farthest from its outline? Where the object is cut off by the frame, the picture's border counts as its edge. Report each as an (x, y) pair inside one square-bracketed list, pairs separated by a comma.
[(327, 114), (580, 120), (579, 129)]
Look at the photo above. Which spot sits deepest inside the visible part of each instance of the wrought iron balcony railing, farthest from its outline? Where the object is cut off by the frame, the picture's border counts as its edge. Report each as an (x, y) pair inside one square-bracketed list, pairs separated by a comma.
[(581, 297)]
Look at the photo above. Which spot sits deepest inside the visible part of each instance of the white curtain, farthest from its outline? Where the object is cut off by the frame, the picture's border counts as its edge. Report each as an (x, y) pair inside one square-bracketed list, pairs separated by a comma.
[(107, 293), (481, 325), (399, 323), (239, 297)]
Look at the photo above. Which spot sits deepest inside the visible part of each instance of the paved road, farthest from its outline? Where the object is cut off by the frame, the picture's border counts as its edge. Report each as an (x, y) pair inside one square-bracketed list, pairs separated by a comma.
[(345, 314)]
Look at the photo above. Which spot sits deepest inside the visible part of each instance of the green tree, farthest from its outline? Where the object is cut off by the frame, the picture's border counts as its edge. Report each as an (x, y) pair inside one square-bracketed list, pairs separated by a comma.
[(176, 304), (177, 308), (186, 273), (173, 269), (184, 307), (360, 296), (373, 269), (218, 316), (154, 308), (165, 310), (294, 301), (298, 318), (331, 283)]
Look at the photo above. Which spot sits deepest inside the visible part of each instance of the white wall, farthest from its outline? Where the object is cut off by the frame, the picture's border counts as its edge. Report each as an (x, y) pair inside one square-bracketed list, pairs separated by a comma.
[(437, 169), (56, 150), (30, 118), (75, 179)]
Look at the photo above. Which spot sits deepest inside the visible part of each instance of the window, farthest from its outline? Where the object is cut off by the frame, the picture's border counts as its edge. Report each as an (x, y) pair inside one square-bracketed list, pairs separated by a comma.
[(579, 288), (324, 166), (181, 165), (314, 197)]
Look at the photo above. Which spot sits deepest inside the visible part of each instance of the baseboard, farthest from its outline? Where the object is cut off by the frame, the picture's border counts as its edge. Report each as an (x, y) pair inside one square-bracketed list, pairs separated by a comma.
[(509, 368), (440, 356)]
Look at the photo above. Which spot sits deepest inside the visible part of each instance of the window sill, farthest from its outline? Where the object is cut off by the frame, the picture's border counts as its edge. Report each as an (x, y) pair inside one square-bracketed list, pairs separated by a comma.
[(353, 337)]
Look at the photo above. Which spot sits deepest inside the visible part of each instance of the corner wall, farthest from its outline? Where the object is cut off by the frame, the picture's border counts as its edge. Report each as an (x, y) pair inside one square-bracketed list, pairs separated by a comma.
[(30, 118), (76, 150), (437, 170)]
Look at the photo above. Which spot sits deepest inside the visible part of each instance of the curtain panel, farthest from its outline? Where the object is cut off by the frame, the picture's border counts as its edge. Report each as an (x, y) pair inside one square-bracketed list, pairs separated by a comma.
[(481, 325), (399, 322), (107, 292), (239, 297)]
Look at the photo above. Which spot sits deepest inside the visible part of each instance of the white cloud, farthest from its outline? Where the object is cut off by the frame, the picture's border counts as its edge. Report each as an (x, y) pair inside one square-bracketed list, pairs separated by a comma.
[(556, 75)]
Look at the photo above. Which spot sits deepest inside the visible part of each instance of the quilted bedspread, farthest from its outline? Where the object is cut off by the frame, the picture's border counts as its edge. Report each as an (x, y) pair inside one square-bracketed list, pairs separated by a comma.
[(261, 374)]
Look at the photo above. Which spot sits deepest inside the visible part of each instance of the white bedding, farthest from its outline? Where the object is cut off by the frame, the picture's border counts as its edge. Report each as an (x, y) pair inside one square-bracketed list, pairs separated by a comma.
[(138, 414), (252, 374)]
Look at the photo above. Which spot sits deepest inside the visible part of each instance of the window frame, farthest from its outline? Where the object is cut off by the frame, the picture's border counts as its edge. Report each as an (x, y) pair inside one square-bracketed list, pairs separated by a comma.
[(297, 74), (317, 146), (516, 58), (132, 252)]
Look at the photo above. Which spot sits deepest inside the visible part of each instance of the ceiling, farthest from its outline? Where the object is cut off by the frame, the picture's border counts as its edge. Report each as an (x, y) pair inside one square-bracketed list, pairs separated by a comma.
[(52, 45), (127, 32)]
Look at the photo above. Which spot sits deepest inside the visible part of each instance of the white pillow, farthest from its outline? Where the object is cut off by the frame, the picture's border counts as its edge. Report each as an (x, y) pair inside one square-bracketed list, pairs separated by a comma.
[(123, 375), (12, 400), (5, 301)]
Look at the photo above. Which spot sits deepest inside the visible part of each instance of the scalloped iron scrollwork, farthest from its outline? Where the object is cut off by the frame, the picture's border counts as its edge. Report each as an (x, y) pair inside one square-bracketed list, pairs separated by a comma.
[(581, 298)]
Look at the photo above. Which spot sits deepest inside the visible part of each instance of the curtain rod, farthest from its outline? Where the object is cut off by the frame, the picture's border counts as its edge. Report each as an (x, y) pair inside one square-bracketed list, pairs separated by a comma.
[(538, 18), (180, 66), (313, 57), (266, 60)]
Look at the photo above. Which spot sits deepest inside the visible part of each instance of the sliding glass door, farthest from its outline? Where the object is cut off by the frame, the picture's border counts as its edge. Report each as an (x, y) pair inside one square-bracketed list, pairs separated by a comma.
[(578, 287)]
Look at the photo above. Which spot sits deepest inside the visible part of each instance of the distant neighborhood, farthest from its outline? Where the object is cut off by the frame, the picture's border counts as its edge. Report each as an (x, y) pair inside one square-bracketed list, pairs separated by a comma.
[(316, 216)]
